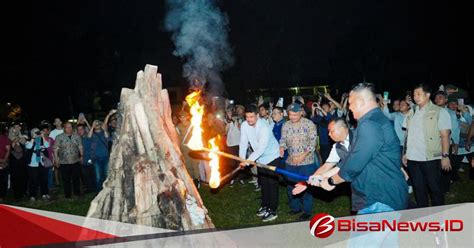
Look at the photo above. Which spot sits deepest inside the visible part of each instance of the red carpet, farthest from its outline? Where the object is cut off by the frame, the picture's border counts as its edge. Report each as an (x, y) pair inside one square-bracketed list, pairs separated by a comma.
[(20, 228)]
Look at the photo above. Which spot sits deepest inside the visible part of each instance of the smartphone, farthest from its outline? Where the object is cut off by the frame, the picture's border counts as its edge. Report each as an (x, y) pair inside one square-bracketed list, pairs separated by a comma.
[(461, 101), (231, 101), (385, 95), (280, 102)]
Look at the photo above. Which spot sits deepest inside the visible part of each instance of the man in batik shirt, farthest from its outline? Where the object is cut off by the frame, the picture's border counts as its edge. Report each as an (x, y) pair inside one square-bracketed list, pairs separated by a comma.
[(299, 139)]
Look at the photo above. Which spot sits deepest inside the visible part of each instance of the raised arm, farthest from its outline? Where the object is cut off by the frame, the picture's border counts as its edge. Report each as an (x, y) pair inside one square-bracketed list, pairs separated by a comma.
[(386, 112), (106, 120), (329, 97)]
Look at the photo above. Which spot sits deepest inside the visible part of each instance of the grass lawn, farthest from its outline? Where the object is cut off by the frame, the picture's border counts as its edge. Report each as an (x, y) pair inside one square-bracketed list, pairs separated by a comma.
[(235, 207)]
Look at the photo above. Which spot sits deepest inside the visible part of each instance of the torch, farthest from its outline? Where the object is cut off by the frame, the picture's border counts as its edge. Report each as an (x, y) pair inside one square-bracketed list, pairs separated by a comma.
[(201, 154), (198, 151)]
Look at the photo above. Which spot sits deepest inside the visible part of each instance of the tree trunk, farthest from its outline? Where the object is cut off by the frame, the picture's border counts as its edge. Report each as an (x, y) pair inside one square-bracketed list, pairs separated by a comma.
[(148, 183)]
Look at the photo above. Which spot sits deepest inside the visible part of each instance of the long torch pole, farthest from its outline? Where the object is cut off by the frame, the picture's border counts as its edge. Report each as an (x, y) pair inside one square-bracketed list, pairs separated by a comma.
[(294, 176)]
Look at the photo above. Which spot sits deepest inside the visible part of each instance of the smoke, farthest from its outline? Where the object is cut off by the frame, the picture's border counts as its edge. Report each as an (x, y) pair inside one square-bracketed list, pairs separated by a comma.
[(199, 32)]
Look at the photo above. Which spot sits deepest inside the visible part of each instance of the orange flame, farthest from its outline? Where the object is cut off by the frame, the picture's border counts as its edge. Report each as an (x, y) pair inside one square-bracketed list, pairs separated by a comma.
[(197, 111), (196, 143), (215, 179)]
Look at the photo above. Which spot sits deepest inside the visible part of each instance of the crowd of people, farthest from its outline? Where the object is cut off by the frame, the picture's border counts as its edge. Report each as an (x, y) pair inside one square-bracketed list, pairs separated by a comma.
[(38, 160), (386, 149)]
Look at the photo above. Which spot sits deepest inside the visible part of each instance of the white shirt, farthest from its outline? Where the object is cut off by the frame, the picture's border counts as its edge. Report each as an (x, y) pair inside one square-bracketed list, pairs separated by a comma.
[(416, 147), (265, 146), (233, 135), (55, 133), (333, 156), (269, 121)]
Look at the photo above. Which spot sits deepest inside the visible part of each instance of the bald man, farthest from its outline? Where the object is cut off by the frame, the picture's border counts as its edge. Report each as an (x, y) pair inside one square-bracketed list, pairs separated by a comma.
[(340, 133), (373, 162)]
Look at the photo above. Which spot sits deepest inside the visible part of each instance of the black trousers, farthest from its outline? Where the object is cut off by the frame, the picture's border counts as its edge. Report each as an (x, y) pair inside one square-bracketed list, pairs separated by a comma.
[(268, 181), (232, 163), (4, 181), (19, 177), (71, 174), (88, 178), (452, 175), (38, 177), (426, 179)]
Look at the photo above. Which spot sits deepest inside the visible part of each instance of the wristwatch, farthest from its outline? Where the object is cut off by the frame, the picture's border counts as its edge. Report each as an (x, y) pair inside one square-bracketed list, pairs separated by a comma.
[(331, 181), (445, 155)]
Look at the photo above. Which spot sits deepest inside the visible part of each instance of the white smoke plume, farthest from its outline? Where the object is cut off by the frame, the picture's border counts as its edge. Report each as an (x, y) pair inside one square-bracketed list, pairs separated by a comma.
[(199, 32)]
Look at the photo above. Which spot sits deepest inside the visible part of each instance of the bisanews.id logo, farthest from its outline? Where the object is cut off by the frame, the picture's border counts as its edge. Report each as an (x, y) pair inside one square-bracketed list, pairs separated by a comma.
[(323, 225)]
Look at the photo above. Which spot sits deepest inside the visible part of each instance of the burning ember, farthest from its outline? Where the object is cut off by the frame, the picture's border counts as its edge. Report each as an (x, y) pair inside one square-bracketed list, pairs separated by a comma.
[(196, 143)]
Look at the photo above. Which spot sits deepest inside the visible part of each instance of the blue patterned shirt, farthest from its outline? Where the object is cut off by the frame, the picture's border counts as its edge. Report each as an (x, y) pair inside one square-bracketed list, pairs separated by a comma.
[(297, 138)]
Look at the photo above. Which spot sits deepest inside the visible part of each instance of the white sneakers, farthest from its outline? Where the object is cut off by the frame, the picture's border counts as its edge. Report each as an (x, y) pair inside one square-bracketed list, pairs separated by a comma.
[(254, 180)]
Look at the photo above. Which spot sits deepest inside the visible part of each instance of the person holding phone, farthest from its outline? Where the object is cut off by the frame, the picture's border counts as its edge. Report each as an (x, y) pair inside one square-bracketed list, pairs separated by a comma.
[(99, 143), (336, 108), (37, 172), (81, 119), (18, 162), (464, 120), (321, 116), (398, 118)]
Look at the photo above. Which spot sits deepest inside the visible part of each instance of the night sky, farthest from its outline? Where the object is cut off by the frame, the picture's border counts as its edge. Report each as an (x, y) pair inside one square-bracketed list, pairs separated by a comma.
[(83, 48)]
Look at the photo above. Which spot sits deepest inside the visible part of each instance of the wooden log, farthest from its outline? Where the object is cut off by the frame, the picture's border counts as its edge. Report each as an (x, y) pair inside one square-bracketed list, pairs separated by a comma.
[(147, 181)]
